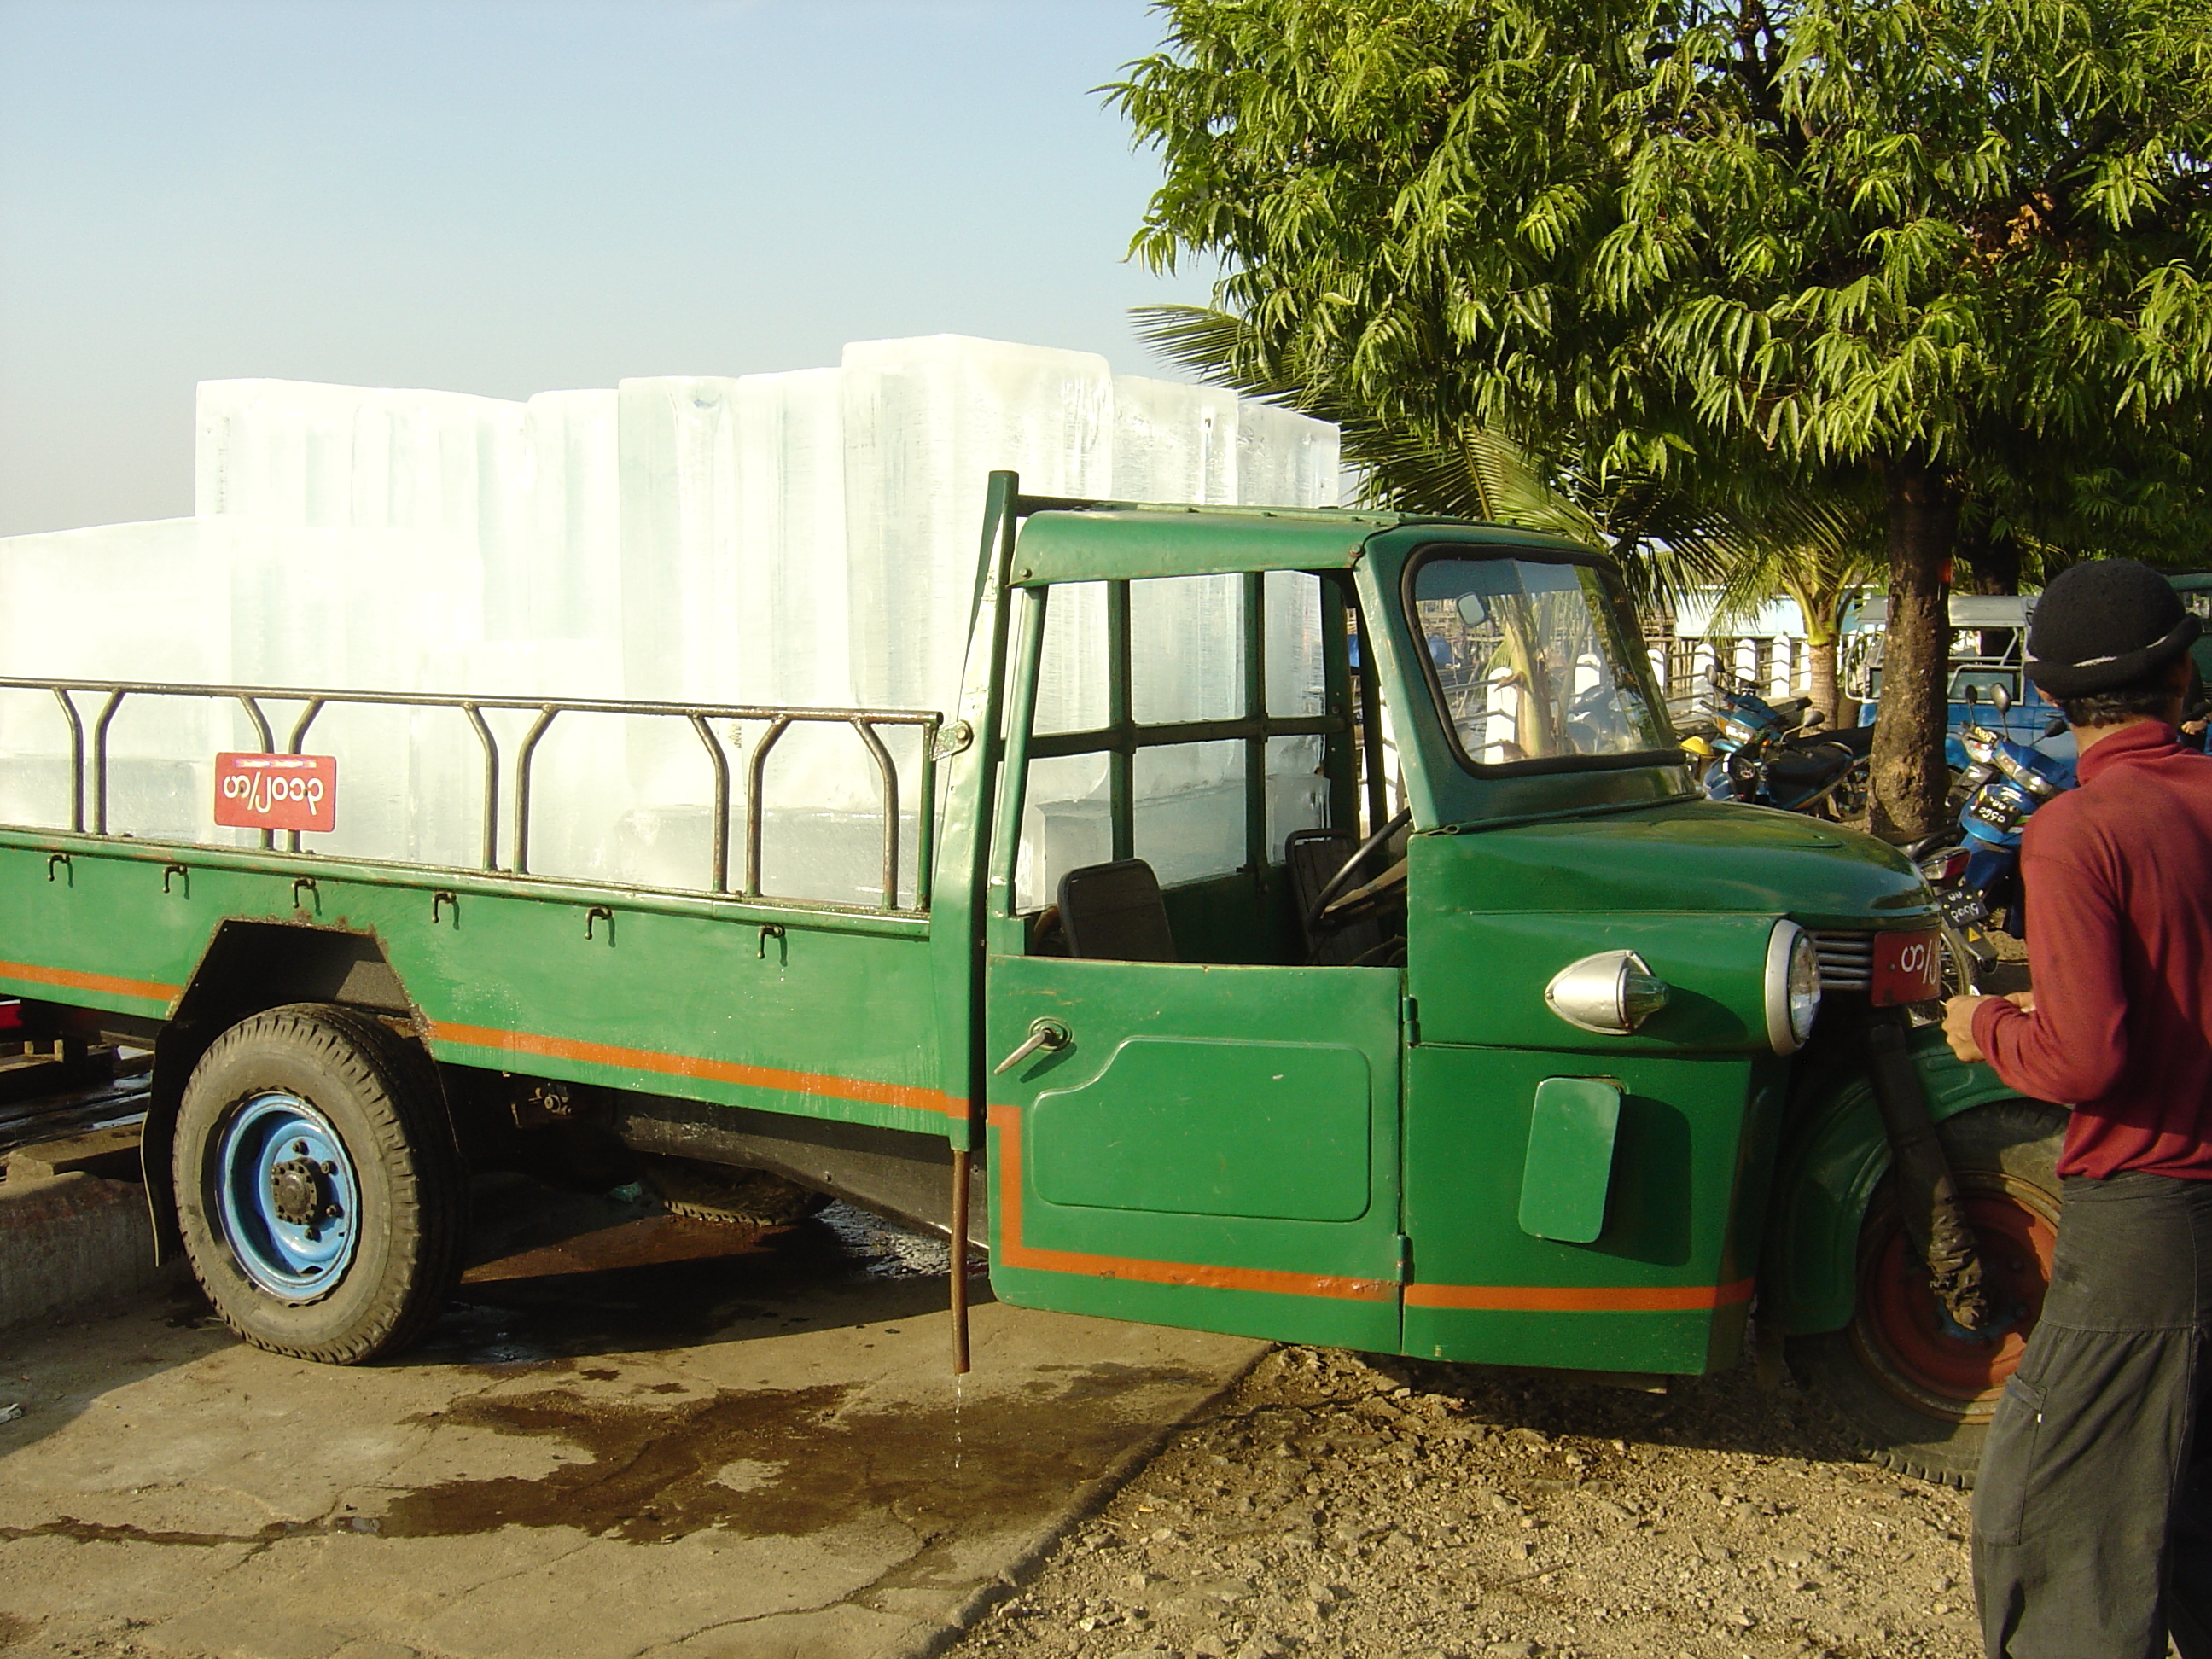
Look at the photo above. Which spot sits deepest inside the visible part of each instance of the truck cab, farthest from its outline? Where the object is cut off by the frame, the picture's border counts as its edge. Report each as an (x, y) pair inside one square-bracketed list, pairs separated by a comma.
[(1498, 1075)]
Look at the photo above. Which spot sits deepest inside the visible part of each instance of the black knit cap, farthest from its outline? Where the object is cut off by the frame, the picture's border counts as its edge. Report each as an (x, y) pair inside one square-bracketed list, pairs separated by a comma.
[(2106, 624)]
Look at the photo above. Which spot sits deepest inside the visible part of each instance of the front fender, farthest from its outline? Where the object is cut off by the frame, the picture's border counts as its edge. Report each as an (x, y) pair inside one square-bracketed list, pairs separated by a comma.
[(1834, 1155)]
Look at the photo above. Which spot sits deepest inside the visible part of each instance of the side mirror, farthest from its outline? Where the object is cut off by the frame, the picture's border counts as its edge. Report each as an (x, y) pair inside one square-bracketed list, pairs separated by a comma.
[(1974, 694), (1472, 611), (2002, 698)]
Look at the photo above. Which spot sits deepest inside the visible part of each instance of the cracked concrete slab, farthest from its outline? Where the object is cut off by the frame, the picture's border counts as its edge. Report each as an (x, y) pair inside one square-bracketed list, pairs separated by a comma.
[(754, 1455)]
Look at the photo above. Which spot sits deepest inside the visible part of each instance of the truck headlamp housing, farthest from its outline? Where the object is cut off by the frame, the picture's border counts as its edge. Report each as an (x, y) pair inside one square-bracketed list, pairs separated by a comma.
[(1793, 986), (1613, 992)]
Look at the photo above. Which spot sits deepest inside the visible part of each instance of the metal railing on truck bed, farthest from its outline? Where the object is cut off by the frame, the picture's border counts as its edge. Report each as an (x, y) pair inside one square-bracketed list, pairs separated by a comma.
[(89, 775)]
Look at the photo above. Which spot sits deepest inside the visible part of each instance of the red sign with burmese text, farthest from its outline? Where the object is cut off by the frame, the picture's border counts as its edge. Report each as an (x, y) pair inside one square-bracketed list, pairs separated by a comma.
[(1907, 968), (277, 792)]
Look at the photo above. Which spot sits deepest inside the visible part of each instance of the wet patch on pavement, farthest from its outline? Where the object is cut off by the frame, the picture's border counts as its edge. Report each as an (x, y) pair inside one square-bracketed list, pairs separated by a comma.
[(781, 1464), (717, 1428)]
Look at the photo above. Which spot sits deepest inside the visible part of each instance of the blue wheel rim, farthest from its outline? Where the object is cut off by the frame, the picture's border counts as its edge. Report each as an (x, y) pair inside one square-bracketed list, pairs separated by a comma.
[(289, 1198)]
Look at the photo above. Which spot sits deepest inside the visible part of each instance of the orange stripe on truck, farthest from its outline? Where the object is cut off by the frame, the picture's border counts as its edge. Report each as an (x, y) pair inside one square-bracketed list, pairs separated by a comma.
[(1508, 1298), (818, 1084), (1578, 1299), (68, 979)]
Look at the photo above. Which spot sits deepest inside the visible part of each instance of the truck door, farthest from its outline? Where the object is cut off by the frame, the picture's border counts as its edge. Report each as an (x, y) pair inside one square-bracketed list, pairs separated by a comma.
[(1194, 1128)]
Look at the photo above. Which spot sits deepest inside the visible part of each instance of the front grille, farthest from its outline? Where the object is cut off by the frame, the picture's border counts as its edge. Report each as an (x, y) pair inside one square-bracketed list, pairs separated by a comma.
[(1846, 961)]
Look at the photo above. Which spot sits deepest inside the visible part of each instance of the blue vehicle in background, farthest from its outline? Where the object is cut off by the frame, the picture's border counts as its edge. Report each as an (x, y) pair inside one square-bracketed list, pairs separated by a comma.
[(1989, 655), (2005, 780), (2002, 773)]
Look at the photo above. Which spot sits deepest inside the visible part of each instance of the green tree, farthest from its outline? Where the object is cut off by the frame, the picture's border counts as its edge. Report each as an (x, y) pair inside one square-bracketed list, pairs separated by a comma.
[(1930, 248)]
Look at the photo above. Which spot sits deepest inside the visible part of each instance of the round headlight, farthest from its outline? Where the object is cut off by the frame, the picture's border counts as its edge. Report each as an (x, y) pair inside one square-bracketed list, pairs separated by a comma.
[(1793, 986)]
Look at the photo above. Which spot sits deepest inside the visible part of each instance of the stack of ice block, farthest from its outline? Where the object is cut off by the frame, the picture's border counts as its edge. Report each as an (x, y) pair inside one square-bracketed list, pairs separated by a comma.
[(795, 540)]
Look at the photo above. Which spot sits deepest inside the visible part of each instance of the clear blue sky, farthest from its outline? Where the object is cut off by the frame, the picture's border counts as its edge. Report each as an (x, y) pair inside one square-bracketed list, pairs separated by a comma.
[(507, 197)]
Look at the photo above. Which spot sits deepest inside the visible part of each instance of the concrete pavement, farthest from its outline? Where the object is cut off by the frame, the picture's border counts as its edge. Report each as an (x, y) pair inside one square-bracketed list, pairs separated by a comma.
[(646, 1441)]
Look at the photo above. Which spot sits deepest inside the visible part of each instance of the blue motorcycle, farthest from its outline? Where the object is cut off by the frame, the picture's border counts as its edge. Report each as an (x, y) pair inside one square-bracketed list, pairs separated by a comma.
[(1977, 881), (1759, 759)]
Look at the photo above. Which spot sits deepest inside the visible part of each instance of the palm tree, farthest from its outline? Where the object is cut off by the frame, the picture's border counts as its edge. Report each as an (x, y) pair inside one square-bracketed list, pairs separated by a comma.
[(1820, 552)]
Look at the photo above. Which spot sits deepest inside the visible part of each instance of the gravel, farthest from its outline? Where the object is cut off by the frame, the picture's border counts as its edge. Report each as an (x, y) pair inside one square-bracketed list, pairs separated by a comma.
[(1384, 1509)]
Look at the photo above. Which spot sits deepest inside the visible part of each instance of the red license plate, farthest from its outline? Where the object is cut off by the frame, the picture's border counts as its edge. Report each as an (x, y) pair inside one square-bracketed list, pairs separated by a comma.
[(1907, 968), (277, 792)]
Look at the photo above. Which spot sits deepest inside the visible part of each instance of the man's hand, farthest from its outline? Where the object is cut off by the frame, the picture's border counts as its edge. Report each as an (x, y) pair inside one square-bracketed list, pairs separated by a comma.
[(1959, 1026), (1959, 1021)]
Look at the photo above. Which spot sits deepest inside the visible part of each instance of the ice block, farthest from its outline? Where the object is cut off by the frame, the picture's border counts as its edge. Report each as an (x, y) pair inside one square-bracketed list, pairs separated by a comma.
[(678, 444), (1174, 442), (563, 580), (145, 602), (335, 457), (794, 642), (926, 422), (1285, 459), (807, 539)]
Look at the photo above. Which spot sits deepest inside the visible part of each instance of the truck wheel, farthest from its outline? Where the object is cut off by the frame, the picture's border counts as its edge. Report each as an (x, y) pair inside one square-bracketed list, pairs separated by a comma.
[(722, 1191), (319, 1190), (1919, 1389)]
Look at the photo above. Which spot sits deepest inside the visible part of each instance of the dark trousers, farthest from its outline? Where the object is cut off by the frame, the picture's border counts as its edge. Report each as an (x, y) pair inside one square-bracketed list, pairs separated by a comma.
[(2093, 1512)]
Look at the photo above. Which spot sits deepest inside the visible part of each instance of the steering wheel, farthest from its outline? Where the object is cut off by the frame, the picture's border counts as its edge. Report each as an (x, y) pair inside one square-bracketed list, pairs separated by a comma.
[(1366, 849), (1393, 877)]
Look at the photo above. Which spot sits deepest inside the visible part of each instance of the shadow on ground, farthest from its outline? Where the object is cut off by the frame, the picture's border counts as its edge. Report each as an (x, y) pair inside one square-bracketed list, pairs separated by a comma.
[(1729, 1412)]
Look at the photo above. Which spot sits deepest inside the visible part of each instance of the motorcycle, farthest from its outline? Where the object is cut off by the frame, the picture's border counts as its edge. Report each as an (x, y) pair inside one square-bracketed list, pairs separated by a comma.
[(1757, 757), (1977, 879)]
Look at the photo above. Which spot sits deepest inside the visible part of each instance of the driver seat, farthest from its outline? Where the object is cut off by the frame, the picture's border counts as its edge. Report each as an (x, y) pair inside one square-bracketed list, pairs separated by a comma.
[(1313, 856)]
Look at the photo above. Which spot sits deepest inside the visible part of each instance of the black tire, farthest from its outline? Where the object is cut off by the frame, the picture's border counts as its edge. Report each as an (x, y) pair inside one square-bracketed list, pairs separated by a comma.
[(1919, 1397), (377, 1096), (725, 1193)]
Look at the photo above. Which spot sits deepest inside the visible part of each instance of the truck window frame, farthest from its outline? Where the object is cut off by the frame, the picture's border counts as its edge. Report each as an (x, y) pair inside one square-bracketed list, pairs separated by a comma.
[(1122, 735), (1473, 554)]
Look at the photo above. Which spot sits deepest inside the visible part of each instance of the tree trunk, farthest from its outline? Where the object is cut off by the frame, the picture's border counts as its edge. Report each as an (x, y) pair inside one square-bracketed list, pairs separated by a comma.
[(1910, 778), (1821, 649)]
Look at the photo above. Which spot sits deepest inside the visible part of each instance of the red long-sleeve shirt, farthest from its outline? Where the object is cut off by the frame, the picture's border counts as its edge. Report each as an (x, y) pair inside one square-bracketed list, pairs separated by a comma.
[(2119, 934)]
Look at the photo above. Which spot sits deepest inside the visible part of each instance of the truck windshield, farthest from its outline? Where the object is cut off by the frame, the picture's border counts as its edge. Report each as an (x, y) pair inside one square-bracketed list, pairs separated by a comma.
[(1532, 661)]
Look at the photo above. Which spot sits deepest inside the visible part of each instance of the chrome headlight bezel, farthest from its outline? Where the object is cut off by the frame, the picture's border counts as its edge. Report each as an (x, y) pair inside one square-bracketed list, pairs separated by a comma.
[(1793, 986), (1612, 993)]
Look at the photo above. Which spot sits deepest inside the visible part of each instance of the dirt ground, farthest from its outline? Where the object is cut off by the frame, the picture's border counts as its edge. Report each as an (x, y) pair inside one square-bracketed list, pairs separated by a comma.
[(1392, 1510)]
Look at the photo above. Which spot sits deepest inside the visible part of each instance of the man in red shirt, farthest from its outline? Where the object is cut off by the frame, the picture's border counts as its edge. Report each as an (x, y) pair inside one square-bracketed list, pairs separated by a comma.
[(2093, 1512)]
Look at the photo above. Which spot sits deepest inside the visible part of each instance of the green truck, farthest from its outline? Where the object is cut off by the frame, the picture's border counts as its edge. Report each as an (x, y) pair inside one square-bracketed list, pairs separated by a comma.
[(1527, 1055)]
